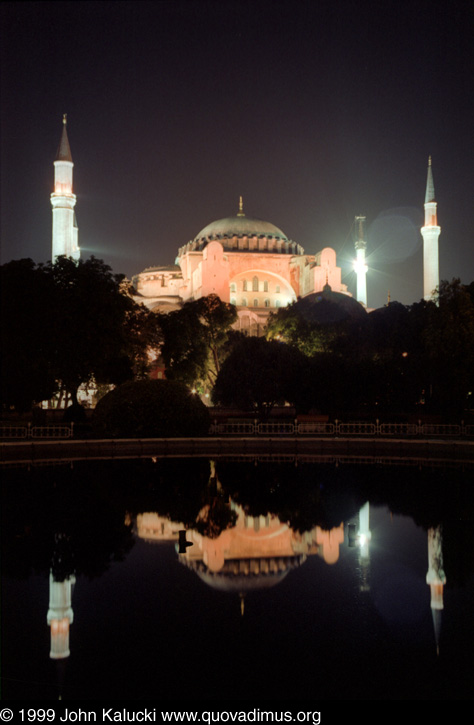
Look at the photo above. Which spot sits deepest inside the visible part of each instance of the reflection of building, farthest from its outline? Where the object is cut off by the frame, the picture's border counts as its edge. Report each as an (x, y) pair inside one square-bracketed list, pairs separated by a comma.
[(258, 552), (364, 538), (60, 615), (152, 527), (436, 578)]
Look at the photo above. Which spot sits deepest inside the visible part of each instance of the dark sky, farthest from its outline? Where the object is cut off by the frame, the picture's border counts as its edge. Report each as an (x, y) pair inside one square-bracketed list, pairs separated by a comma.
[(312, 111)]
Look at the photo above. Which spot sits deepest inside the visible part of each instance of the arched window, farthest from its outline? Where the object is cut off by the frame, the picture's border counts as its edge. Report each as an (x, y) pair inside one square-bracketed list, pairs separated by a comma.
[(267, 303), (244, 285), (265, 286), (233, 287), (255, 284), (233, 301), (278, 303), (255, 303), (244, 302)]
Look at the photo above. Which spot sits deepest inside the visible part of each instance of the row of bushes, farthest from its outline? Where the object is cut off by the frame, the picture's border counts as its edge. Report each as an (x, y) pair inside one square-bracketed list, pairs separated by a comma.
[(150, 409)]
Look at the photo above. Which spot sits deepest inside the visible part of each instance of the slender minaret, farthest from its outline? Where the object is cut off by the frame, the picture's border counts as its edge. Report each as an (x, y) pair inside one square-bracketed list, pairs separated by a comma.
[(360, 266), (365, 536), (63, 202), (436, 578), (60, 615), (430, 233)]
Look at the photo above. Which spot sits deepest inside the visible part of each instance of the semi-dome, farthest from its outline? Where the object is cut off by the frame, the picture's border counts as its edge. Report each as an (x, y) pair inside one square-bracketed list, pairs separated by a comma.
[(238, 226), (328, 306)]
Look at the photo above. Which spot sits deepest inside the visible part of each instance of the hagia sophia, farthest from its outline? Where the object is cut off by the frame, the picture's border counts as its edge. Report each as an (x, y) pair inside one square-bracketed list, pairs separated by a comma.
[(245, 261)]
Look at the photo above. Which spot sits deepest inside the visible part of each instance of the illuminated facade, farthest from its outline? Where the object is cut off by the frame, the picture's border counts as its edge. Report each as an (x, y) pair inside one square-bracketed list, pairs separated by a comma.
[(63, 201), (430, 233), (245, 261)]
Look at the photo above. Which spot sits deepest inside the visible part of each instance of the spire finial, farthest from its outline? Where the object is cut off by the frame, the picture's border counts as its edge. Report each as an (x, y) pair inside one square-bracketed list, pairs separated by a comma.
[(65, 118), (241, 207), (430, 192)]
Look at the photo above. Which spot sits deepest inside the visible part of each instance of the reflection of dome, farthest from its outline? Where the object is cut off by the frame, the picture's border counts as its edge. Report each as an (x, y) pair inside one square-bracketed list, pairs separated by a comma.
[(244, 575), (240, 226)]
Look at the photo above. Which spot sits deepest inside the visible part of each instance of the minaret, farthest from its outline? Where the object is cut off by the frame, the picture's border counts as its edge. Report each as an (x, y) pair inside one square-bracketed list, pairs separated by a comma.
[(436, 578), (63, 202), (365, 536), (430, 233), (60, 615), (360, 266)]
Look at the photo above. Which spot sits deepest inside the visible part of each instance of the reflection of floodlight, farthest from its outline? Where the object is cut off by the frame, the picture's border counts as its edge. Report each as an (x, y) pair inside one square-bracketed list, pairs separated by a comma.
[(362, 540)]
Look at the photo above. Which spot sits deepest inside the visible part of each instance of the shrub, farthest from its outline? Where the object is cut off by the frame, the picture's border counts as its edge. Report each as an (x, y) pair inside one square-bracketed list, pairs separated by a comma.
[(151, 409)]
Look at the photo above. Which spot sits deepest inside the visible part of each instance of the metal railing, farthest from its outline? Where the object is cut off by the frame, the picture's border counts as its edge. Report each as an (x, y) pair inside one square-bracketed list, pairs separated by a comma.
[(339, 428), (35, 432), (274, 428)]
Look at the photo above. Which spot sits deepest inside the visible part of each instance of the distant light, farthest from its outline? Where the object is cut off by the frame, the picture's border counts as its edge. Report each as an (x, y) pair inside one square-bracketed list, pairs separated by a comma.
[(359, 266), (362, 540)]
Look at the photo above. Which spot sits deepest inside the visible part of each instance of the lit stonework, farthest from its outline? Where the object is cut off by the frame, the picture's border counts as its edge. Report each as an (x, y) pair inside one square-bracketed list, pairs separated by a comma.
[(63, 201), (430, 233), (360, 266), (247, 262)]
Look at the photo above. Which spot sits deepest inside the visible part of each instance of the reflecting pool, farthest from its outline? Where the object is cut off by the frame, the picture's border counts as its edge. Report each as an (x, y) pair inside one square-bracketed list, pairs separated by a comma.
[(236, 579)]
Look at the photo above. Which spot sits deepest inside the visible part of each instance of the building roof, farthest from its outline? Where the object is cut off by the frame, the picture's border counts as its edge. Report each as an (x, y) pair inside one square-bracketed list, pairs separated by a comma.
[(64, 150), (430, 192), (240, 225), (327, 306)]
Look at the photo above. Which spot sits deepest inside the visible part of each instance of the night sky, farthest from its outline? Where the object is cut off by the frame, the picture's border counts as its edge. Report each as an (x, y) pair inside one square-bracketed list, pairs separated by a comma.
[(314, 112)]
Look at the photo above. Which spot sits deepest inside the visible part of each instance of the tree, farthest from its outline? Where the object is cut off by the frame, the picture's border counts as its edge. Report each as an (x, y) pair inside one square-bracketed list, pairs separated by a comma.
[(99, 332), (257, 374), (151, 409), (195, 338), (67, 323), (318, 323), (27, 370), (448, 339)]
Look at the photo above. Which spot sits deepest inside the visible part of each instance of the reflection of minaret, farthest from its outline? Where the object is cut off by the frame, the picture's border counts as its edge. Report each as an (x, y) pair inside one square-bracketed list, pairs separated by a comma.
[(436, 578), (364, 539), (360, 266), (430, 233), (63, 202), (60, 615)]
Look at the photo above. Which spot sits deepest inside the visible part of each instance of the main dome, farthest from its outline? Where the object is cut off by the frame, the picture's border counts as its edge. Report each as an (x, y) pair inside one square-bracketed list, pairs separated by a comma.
[(240, 226)]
